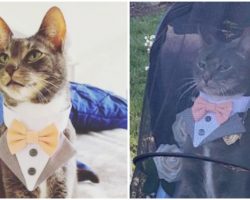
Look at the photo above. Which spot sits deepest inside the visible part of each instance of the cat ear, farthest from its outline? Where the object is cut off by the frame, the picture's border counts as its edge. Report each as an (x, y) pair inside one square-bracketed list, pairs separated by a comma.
[(5, 34), (53, 28), (207, 34), (244, 43)]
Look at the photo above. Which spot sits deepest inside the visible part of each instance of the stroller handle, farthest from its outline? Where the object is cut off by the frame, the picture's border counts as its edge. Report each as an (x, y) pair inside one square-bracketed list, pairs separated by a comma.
[(144, 156)]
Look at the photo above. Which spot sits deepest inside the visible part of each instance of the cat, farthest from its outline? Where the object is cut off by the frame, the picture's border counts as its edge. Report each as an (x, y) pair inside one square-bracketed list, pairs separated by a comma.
[(221, 71), (33, 76), (222, 68)]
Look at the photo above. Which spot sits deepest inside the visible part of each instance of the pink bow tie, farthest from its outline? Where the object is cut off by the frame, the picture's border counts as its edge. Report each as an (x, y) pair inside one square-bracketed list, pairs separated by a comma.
[(201, 107)]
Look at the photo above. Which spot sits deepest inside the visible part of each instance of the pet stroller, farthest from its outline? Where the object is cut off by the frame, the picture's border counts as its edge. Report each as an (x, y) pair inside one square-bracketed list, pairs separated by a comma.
[(165, 166)]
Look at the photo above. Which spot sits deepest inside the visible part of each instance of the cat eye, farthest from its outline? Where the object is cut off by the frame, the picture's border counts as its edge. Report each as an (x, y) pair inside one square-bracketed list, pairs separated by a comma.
[(34, 56), (201, 65), (224, 68), (4, 58)]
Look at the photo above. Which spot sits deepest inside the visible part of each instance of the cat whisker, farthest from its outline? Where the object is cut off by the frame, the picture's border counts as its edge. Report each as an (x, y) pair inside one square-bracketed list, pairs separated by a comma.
[(221, 91), (187, 78), (186, 84), (55, 77), (51, 76), (192, 87), (40, 95), (45, 81), (49, 91), (224, 89)]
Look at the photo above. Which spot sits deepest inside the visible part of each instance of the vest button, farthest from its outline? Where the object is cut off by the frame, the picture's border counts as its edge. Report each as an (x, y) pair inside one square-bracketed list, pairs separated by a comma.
[(208, 118), (201, 132), (31, 171), (33, 152)]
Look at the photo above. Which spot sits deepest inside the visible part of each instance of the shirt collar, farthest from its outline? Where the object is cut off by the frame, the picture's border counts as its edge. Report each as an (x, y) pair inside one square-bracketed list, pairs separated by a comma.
[(35, 119), (240, 103)]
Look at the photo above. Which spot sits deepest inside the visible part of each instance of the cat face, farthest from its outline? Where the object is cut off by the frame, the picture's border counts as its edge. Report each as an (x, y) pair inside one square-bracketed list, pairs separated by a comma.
[(33, 69), (223, 69)]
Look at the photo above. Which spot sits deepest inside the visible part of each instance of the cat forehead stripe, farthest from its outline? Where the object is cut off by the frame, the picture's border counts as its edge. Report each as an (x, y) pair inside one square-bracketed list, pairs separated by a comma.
[(16, 47)]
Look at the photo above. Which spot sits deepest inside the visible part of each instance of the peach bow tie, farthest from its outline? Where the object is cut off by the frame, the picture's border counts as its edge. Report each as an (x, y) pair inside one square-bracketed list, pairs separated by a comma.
[(201, 107), (18, 137)]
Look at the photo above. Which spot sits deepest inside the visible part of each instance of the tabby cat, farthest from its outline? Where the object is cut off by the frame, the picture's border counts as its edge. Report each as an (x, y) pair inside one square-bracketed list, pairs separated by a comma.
[(33, 71)]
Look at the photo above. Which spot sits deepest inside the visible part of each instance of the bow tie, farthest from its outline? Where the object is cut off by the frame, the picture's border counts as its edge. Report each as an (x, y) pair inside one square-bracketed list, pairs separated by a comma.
[(201, 107), (18, 137)]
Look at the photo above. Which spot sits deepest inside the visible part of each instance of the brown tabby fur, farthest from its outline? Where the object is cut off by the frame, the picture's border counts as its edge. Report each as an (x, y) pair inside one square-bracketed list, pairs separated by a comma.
[(41, 80)]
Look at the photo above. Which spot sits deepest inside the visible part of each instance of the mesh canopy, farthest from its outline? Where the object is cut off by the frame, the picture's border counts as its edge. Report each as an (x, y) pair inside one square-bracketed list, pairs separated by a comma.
[(214, 168)]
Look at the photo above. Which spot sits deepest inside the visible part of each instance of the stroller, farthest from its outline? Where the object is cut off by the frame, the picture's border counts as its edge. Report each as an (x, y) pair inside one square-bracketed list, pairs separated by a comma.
[(171, 162)]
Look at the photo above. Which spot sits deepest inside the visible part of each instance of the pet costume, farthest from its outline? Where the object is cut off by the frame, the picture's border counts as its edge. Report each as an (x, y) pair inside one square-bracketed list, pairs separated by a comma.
[(33, 147)]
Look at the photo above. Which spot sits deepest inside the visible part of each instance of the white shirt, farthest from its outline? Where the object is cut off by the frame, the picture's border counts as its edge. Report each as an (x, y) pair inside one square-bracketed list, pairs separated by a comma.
[(32, 159)]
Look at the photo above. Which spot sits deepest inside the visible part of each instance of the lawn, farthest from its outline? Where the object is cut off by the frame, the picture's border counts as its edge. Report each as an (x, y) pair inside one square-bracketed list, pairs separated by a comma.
[(139, 28)]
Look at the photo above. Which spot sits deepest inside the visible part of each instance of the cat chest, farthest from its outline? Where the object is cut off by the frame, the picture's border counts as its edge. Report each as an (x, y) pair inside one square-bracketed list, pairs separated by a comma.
[(43, 190), (217, 150)]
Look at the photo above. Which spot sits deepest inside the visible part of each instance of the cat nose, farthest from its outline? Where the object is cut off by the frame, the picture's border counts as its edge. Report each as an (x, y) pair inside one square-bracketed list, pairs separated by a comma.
[(10, 69), (206, 77)]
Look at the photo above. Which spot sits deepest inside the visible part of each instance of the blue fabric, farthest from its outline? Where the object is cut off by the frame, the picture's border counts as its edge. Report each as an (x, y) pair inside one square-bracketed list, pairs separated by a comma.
[(93, 109), (81, 165), (161, 194)]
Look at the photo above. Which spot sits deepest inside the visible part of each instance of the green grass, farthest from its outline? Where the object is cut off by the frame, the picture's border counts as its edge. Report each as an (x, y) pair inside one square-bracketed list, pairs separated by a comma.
[(139, 28)]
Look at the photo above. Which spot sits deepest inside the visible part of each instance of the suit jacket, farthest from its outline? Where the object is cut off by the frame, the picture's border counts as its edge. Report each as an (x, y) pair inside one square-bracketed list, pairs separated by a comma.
[(233, 125), (61, 156)]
